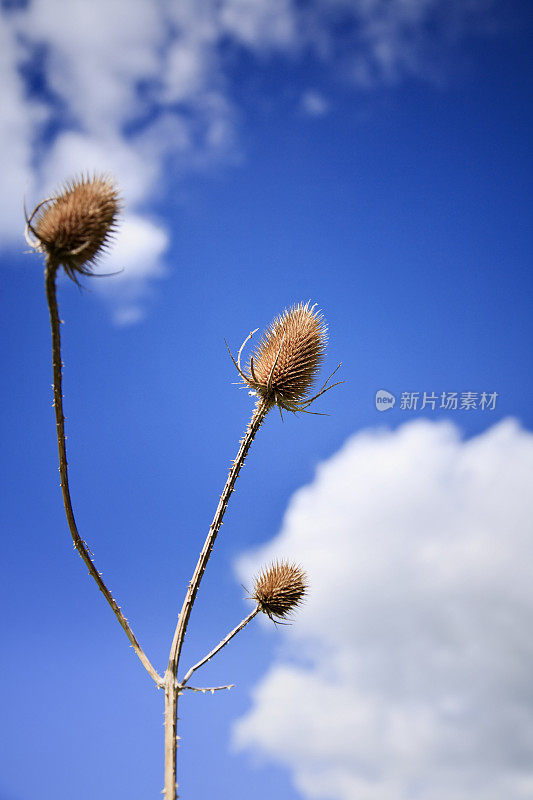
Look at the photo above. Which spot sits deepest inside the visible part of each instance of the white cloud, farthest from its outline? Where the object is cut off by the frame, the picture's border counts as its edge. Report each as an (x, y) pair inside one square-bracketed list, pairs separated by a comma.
[(136, 258), (139, 241), (314, 103), (261, 24), (408, 672), (131, 86), (96, 54), (74, 153), (391, 40), (18, 121)]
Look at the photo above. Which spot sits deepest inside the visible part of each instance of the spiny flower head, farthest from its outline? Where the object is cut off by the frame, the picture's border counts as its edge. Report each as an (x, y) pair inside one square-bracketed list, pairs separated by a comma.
[(280, 588), (76, 225), (289, 355), (287, 359)]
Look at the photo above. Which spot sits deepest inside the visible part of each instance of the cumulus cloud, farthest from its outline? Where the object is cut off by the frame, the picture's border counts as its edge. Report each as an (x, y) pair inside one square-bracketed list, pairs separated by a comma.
[(132, 86), (408, 673)]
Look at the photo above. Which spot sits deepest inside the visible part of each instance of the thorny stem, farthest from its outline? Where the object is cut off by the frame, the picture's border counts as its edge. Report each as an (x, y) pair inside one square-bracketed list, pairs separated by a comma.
[(171, 685), (55, 322), (219, 646)]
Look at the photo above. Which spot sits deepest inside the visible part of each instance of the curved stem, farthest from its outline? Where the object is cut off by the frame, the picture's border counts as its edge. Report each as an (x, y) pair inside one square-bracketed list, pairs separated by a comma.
[(171, 693), (50, 277), (219, 646)]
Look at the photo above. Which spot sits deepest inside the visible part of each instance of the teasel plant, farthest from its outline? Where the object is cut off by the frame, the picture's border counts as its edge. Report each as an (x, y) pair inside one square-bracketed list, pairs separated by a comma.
[(72, 229)]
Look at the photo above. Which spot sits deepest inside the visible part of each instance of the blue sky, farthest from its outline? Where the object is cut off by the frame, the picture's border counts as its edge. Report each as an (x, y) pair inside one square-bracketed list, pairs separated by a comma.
[(374, 158)]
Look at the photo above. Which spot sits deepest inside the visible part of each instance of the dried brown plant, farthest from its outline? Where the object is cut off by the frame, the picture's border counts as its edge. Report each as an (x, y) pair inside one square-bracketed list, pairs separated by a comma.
[(287, 359), (279, 589), (72, 229)]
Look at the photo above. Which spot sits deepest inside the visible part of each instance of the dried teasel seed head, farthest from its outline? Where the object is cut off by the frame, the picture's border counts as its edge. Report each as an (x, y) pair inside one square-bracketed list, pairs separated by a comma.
[(280, 588), (75, 226), (288, 357), (287, 360)]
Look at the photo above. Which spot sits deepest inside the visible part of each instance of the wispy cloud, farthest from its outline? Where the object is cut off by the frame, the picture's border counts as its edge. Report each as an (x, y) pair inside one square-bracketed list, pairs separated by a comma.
[(408, 672), (314, 103), (130, 86)]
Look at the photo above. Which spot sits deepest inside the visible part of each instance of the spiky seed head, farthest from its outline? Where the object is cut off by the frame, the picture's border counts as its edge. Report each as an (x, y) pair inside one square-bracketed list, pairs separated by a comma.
[(288, 356), (75, 226), (280, 588)]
